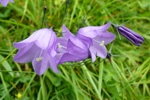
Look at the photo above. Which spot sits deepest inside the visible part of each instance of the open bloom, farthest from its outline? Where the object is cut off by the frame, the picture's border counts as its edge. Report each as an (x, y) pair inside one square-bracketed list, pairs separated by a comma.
[(5, 2), (96, 37), (130, 35), (40, 48), (70, 48)]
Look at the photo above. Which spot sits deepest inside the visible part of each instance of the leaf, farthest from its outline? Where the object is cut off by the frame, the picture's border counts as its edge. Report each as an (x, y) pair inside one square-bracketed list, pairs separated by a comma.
[(6, 66), (56, 81)]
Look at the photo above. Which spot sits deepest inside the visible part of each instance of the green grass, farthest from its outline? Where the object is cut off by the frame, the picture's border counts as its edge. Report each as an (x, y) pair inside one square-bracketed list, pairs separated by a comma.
[(130, 78)]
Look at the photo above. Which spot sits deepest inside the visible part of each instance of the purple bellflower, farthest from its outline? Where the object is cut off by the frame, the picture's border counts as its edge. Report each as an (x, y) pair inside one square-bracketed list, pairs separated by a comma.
[(130, 35), (70, 48), (96, 37), (40, 48), (5, 2)]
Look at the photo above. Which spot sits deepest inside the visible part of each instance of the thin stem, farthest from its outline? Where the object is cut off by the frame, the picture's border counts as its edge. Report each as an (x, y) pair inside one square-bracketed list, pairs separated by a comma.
[(116, 27), (126, 22), (83, 21), (111, 63), (67, 2), (100, 62), (44, 18), (79, 63), (118, 34), (8, 56), (118, 55), (110, 48), (6, 71), (44, 3)]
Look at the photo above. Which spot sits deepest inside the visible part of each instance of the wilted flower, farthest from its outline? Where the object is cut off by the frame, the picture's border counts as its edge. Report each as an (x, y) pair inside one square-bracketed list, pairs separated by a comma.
[(70, 48), (96, 37), (5, 2), (40, 48), (130, 35)]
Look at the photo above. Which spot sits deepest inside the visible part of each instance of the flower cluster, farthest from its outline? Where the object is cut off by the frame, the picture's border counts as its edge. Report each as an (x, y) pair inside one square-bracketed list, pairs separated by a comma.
[(46, 50)]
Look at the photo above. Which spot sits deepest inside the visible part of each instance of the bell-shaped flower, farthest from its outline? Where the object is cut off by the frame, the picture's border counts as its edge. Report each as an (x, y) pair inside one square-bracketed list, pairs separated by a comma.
[(5, 2), (96, 37), (70, 48), (40, 48), (130, 35)]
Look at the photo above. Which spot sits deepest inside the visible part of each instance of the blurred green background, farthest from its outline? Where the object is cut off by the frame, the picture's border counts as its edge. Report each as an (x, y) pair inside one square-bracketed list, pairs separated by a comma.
[(130, 78)]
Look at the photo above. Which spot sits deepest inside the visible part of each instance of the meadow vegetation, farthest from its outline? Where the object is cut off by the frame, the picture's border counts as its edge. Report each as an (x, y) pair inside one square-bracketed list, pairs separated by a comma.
[(130, 78)]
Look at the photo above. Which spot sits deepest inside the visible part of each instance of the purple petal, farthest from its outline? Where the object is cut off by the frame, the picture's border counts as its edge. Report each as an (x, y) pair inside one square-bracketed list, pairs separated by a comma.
[(44, 38), (101, 51), (4, 2), (93, 31), (12, 1), (52, 51), (63, 42), (62, 50), (30, 39), (27, 54), (77, 48), (66, 33), (86, 40), (132, 36), (134, 33), (69, 58), (59, 56), (74, 52), (20, 45), (53, 64), (41, 66), (93, 54), (77, 42), (106, 36), (130, 39)]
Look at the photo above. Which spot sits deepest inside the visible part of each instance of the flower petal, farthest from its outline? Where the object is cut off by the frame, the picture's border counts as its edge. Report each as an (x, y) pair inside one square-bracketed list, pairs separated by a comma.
[(93, 54), (100, 51), (129, 38), (74, 52), (58, 57), (4, 2), (12, 1), (86, 40), (41, 66), (134, 33), (27, 54), (20, 45), (77, 42), (93, 31), (66, 33), (129, 34), (53, 64), (68, 58), (106, 36), (77, 48), (62, 41), (44, 38)]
